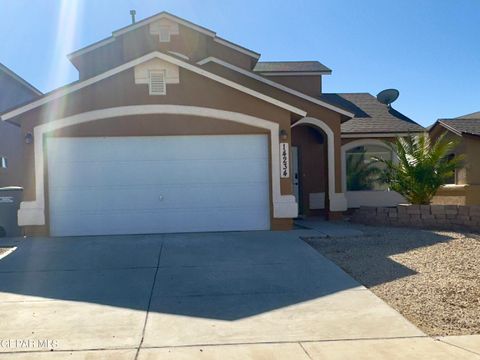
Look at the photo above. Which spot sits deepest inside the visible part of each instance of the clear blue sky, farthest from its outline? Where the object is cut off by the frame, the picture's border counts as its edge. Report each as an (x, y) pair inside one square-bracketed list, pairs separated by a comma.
[(428, 49)]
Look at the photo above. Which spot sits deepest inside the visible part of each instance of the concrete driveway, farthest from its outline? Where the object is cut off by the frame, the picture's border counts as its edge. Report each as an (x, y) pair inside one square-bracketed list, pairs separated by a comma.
[(250, 295)]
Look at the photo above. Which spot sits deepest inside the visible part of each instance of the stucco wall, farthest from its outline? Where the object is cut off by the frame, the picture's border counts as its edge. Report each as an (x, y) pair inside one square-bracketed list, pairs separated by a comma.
[(310, 85), (121, 90)]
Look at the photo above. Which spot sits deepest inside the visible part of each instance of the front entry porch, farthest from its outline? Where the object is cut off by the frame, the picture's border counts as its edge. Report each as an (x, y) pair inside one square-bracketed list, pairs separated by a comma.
[(314, 170)]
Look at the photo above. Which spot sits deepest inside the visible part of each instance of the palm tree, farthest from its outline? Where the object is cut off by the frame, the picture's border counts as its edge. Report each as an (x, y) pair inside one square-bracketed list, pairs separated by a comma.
[(362, 173), (423, 166)]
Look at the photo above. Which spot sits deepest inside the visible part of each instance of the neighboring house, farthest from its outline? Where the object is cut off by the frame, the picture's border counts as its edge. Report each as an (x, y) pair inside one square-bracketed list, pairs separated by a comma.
[(172, 128), (13, 91), (464, 187)]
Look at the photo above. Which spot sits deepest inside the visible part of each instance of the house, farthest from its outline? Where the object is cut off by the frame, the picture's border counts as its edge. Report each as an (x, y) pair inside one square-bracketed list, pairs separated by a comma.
[(464, 187), (13, 91), (171, 128)]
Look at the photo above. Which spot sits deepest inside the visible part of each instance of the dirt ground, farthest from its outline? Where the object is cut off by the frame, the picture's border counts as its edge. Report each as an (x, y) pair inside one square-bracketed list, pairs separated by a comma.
[(431, 277)]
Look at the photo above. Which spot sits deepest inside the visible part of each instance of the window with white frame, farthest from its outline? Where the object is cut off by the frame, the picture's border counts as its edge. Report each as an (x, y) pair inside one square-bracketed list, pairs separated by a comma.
[(363, 172), (156, 83)]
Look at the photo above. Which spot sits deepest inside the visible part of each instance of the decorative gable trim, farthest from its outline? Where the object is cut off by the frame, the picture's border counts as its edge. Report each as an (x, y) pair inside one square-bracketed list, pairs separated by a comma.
[(164, 29), (144, 72), (156, 18), (156, 54)]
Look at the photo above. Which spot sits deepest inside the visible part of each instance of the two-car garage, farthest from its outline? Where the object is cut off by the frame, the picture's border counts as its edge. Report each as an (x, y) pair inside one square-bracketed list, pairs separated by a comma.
[(157, 184)]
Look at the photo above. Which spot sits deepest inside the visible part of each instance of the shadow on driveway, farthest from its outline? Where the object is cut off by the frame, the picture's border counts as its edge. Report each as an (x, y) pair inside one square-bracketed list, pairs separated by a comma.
[(225, 276)]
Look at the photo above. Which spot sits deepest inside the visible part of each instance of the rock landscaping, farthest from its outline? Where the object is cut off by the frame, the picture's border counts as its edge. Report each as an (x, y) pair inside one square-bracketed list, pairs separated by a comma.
[(431, 277)]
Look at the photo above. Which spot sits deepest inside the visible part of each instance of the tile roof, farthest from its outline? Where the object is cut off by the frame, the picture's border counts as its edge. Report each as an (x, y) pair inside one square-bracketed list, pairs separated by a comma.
[(290, 66), (371, 116)]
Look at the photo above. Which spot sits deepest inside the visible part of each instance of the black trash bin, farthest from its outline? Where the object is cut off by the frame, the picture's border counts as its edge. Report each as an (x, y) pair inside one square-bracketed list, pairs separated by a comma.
[(10, 198)]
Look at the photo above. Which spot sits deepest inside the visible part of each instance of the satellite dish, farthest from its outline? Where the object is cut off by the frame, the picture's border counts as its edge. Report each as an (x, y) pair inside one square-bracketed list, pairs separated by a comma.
[(388, 96)]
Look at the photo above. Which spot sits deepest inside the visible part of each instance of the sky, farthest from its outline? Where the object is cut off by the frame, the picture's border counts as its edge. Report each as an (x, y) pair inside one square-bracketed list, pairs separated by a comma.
[(427, 49)]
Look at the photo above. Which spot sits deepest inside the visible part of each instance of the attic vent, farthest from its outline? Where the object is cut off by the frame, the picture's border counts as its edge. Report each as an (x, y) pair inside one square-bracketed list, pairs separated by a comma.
[(157, 84)]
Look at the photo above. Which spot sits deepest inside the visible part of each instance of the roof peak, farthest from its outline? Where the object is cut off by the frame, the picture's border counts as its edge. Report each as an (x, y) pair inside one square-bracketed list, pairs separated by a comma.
[(155, 17)]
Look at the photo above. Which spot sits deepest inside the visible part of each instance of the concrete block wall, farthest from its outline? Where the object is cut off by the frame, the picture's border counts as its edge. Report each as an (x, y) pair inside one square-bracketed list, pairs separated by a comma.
[(424, 216)]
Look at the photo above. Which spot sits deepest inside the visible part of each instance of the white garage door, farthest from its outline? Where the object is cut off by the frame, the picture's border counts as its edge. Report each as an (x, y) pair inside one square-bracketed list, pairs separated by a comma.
[(141, 185)]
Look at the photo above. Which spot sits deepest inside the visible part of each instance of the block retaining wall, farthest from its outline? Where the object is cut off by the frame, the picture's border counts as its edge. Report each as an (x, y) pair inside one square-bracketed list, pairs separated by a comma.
[(425, 216)]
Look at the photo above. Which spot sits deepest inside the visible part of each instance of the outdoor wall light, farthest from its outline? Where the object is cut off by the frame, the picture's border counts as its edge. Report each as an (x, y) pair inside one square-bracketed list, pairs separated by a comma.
[(28, 138), (283, 135)]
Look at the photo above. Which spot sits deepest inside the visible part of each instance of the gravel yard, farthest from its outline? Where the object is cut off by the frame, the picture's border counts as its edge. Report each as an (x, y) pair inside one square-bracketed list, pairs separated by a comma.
[(431, 277)]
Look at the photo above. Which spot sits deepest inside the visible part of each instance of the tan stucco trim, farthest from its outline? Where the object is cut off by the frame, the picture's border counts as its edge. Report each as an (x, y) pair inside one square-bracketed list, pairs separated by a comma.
[(155, 54), (33, 212), (338, 202)]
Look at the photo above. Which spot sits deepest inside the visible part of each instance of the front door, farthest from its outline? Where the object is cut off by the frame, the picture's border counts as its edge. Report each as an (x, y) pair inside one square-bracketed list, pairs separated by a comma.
[(296, 176)]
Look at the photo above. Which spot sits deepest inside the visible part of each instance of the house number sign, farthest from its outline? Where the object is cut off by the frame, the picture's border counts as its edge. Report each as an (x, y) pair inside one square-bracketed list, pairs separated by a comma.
[(284, 161)]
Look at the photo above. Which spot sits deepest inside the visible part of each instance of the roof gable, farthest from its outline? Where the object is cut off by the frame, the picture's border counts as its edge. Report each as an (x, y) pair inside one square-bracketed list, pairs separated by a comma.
[(155, 18), (171, 59)]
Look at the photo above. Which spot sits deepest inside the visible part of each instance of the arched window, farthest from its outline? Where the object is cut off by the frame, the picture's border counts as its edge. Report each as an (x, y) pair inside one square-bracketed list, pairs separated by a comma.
[(363, 172)]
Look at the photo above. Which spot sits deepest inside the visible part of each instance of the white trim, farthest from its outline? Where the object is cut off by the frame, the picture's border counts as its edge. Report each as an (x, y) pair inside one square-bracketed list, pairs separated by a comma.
[(156, 54), (298, 73), (338, 202), (375, 135), (8, 252), (454, 186), (275, 85), (236, 47), (33, 212)]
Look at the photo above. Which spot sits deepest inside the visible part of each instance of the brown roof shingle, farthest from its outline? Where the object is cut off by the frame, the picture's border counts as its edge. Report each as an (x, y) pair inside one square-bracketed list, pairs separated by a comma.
[(290, 66), (462, 125), (371, 116)]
